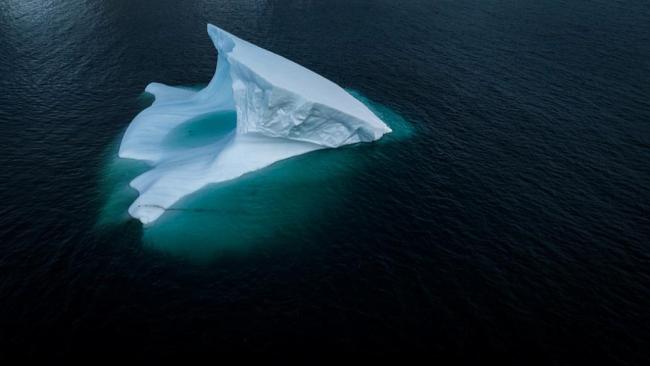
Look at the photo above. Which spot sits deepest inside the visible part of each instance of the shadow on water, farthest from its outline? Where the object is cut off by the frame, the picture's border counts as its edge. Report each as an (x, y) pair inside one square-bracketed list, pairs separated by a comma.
[(277, 204)]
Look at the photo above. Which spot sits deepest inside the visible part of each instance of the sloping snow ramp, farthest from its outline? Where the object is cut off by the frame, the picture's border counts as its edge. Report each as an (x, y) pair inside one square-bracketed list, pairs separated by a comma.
[(281, 108)]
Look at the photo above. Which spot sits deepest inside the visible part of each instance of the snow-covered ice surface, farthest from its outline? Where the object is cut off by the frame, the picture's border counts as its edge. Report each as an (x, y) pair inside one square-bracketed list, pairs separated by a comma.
[(282, 110)]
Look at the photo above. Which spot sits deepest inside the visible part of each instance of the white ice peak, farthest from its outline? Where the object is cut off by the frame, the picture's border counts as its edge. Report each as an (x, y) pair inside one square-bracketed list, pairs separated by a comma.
[(282, 110)]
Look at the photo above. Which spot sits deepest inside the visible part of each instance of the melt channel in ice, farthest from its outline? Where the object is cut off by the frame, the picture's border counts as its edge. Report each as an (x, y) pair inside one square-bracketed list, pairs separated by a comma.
[(282, 110)]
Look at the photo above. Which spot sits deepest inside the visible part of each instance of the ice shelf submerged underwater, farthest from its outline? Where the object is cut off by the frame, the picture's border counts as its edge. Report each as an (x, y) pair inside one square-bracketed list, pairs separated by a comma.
[(282, 110)]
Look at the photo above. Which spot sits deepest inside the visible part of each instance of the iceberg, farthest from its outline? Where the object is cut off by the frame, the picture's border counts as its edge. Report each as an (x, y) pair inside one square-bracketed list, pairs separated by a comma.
[(281, 110)]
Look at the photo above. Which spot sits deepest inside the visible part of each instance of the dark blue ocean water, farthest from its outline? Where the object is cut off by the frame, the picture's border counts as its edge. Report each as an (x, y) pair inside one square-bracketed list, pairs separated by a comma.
[(513, 222)]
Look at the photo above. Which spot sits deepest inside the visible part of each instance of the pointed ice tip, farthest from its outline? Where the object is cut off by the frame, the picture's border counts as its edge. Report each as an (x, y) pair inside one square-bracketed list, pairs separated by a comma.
[(222, 40), (213, 31)]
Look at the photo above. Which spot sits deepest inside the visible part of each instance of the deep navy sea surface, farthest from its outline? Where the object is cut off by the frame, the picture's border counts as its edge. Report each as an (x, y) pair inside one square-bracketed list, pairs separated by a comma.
[(508, 217)]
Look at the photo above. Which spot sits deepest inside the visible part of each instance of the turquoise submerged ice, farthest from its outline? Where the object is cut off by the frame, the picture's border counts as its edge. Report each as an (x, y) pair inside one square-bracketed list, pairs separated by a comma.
[(282, 110)]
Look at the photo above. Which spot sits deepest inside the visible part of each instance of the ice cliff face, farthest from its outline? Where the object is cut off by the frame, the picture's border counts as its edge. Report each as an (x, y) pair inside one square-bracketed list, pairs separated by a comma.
[(282, 110)]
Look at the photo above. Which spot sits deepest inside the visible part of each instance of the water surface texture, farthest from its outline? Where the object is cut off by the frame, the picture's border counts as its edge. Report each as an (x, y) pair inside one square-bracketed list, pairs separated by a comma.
[(510, 221)]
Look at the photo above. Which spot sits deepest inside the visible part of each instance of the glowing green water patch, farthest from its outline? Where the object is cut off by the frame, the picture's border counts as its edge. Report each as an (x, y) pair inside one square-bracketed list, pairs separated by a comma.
[(276, 204), (256, 209)]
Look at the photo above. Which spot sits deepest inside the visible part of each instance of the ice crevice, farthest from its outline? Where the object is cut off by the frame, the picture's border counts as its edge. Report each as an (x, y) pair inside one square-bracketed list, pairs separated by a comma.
[(282, 110)]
